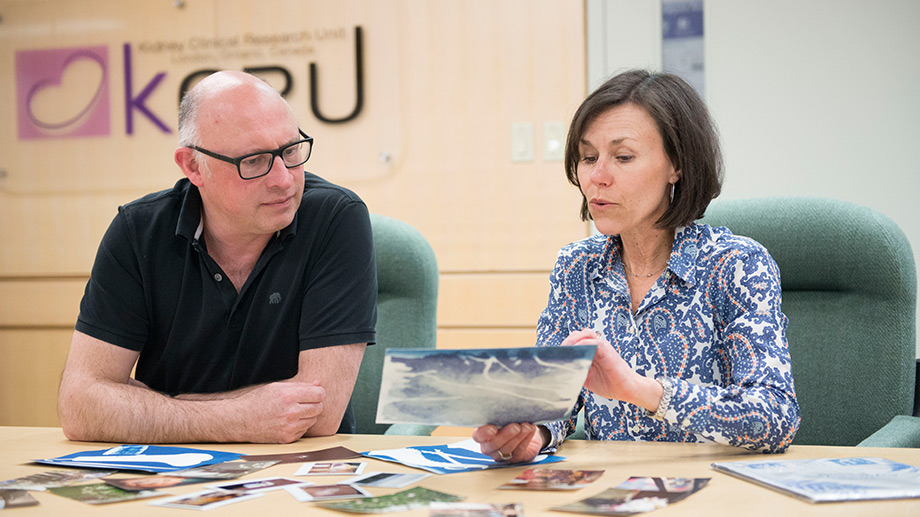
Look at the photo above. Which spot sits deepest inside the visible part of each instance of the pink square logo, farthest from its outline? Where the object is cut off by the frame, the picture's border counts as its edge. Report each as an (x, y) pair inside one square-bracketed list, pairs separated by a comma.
[(62, 93)]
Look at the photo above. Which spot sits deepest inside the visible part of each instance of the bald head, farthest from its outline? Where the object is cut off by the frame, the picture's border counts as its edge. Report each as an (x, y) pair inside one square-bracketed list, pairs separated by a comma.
[(227, 97)]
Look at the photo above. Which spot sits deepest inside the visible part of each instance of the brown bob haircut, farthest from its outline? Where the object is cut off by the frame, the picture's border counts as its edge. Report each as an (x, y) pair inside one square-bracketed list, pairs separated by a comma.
[(690, 137)]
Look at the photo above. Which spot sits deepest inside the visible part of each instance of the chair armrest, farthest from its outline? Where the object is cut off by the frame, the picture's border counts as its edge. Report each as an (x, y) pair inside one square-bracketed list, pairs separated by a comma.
[(902, 431), (410, 429)]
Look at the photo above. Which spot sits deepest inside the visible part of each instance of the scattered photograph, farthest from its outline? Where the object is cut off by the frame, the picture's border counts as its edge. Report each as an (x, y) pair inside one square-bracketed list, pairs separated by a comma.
[(228, 470), (552, 479), (204, 500), (331, 468), (332, 453), (473, 387), (101, 493), (670, 489), (152, 482), (613, 501), (417, 498), (252, 486), (54, 478), (14, 498), (325, 492), (386, 479), (437, 509)]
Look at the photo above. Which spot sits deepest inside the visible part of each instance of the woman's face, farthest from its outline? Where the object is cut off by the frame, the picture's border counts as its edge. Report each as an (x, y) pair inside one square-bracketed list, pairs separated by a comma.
[(624, 172)]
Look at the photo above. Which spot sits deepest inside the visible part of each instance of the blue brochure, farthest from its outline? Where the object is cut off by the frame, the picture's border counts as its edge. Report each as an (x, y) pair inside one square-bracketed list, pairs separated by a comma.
[(822, 480), (462, 456), (148, 458)]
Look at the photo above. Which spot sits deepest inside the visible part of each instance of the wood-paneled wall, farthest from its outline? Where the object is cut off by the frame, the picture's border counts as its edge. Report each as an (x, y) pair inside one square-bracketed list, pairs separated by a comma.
[(444, 82)]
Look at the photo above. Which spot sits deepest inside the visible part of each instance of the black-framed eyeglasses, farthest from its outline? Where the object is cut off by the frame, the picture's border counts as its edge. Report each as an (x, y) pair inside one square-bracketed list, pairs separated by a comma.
[(255, 165)]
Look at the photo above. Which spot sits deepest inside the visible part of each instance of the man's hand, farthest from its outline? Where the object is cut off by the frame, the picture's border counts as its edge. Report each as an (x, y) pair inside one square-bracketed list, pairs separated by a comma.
[(279, 412)]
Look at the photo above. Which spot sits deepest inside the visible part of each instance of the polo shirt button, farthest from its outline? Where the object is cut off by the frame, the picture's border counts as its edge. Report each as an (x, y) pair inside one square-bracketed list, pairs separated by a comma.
[(218, 277)]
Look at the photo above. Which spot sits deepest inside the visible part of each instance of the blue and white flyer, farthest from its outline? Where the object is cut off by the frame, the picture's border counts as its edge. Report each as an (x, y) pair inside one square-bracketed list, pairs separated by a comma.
[(147, 458), (462, 456)]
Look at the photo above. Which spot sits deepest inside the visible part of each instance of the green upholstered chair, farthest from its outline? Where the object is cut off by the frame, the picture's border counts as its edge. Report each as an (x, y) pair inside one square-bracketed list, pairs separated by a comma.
[(850, 292), (407, 296)]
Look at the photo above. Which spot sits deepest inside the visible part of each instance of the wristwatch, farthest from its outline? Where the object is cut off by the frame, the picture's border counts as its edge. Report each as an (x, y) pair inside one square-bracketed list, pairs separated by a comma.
[(667, 388)]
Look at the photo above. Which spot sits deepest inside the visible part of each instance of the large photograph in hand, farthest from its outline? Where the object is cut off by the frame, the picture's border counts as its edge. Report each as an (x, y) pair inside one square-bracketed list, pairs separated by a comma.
[(482, 386)]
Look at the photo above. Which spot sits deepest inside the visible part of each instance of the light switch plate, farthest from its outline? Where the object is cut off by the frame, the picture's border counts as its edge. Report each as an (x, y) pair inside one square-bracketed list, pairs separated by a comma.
[(521, 142), (553, 141)]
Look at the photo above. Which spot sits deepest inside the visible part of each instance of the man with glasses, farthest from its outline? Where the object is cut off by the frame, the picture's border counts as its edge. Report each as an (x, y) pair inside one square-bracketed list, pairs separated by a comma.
[(244, 296)]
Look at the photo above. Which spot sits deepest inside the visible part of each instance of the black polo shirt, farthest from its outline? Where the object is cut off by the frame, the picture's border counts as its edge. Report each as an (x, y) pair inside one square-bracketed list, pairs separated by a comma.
[(155, 289)]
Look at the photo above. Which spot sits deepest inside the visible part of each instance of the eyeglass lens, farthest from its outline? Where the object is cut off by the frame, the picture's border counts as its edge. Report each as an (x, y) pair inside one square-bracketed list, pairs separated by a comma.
[(259, 164)]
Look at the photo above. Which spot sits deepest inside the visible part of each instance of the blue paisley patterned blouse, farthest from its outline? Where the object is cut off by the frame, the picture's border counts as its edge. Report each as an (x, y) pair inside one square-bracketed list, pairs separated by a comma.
[(711, 323)]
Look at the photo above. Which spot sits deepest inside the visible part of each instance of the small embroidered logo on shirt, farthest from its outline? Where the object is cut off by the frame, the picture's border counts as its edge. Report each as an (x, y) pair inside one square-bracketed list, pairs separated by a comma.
[(274, 299)]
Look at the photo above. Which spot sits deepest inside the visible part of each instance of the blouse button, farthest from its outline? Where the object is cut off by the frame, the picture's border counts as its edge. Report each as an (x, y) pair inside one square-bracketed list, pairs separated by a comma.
[(218, 277), (637, 428), (685, 422)]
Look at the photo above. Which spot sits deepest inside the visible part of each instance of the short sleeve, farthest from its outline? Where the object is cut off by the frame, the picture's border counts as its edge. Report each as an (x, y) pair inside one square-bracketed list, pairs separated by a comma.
[(340, 303), (113, 308)]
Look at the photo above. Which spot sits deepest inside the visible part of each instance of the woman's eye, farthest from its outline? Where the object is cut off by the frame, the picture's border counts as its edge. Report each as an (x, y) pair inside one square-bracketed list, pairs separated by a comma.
[(623, 158), (589, 159)]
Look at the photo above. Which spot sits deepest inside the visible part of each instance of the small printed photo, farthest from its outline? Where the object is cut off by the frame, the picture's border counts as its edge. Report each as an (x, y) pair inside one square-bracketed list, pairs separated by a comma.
[(204, 500), (417, 498), (152, 482), (670, 489), (16, 498), (437, 509), (613, 501), (54, 478), (101, 493), (253, 486), (386, 479), (331, 468), (326, 492), (552, 479), (227, 470)]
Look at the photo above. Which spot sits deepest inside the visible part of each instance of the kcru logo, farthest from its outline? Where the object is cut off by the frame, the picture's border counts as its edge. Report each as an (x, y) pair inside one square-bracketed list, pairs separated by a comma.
[(63, 92)]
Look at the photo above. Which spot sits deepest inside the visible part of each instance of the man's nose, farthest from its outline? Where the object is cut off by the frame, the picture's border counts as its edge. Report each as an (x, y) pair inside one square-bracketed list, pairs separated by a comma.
[(279, 174)]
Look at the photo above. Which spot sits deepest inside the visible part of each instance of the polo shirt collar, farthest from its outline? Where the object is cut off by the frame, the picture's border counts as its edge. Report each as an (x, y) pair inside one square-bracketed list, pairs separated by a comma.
[(191, 222)]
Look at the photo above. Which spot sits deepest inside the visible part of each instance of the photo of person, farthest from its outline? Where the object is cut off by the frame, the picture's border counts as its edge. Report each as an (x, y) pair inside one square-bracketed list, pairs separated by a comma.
[(205, 499), (261, 485), (326, 492), (552, 479), (330, 468)]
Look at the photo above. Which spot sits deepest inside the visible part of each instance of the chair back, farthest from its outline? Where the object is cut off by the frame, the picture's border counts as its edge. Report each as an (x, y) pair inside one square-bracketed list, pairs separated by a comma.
[(850, 292), (407, 297)]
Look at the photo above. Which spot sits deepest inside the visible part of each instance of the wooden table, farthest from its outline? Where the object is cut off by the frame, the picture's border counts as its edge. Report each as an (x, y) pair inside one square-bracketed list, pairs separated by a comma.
[(725, 495)]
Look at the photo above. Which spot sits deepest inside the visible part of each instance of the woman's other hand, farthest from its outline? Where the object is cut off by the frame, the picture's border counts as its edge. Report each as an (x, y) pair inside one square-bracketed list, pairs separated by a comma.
[(513, 443), (610, 376)]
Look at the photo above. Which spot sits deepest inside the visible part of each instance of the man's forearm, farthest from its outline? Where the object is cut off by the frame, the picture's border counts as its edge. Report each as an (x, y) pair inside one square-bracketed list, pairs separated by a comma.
[(223, 395), (112, 412)]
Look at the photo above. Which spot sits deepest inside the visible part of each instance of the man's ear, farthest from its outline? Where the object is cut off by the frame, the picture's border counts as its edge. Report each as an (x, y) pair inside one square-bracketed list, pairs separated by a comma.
[(191, 167)]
